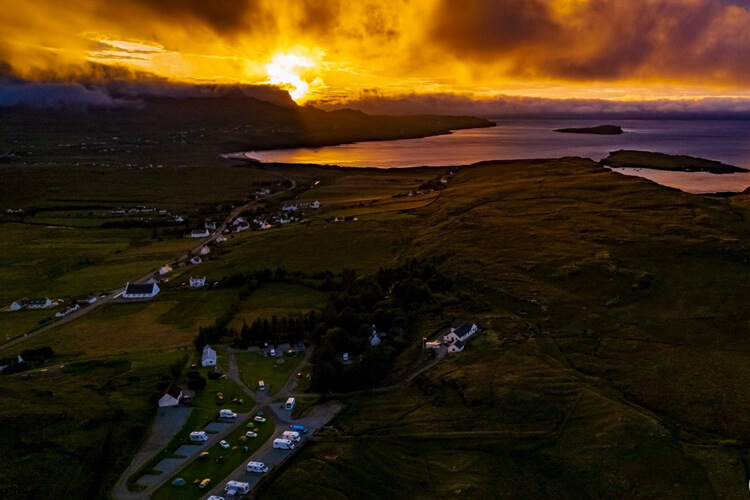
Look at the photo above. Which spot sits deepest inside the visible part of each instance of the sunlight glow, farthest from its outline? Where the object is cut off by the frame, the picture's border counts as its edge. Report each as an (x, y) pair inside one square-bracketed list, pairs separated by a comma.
[(293, 73)]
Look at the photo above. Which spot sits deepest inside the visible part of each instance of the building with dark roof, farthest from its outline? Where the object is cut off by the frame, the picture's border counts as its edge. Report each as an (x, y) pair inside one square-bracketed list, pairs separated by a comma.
[(140, 291), (171, 396)]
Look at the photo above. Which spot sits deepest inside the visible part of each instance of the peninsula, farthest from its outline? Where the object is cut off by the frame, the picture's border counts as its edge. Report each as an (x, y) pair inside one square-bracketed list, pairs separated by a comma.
[(662, 161)]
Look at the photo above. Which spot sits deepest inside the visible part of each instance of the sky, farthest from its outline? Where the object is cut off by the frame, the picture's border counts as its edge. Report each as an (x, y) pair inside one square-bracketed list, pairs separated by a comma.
[(334, 52)]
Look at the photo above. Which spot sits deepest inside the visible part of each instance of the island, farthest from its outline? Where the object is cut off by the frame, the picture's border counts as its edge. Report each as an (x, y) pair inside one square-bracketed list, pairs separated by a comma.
[(599, 130), (661, 161)]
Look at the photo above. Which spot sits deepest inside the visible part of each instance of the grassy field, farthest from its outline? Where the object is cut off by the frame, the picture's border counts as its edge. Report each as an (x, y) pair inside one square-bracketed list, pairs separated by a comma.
[(70, 419), (611, 361), (280, 299), (254, 367), (210, 468)]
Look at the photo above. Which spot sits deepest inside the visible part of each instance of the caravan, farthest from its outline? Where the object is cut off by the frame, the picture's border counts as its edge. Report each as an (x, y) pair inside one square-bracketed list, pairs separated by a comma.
[(257, 467), (283, 444), (238, 487), (289, 404), (291, 435), (198, 436)]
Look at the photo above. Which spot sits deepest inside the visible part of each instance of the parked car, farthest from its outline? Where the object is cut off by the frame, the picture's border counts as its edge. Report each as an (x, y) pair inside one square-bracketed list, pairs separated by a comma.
[(260, 419), (273, 352), (223, 444), (203, 455), (251, 434), (204, 483)]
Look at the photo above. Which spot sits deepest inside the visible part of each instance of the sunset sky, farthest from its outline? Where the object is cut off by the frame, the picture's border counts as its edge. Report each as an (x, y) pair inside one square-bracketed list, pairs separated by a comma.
[(330, 51)]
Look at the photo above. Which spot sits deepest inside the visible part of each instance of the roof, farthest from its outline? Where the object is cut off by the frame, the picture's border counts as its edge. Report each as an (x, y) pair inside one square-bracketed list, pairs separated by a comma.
[(40, 302), (459, 344), (173, 391), (139, 288), (462, 329)]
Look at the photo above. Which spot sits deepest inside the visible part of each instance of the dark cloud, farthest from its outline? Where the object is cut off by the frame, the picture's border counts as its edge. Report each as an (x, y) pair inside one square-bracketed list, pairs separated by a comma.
[(704, 41), (319, 17), (224, 17), (488, 28)]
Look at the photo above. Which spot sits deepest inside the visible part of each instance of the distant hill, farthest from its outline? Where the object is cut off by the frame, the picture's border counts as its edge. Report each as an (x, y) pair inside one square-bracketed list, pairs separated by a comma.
[(230, 122)]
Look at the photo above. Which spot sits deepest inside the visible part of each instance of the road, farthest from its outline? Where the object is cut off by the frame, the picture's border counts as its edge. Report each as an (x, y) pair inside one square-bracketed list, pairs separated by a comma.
[(113, 295)]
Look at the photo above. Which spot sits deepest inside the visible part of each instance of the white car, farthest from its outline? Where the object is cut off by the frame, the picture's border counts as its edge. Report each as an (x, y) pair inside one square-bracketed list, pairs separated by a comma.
[(251, 434), (223, 444), (273, 352), (260, 419)]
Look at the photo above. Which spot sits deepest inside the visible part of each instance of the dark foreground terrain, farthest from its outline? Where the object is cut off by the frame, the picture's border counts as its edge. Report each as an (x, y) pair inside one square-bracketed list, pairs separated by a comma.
[(611, 361)]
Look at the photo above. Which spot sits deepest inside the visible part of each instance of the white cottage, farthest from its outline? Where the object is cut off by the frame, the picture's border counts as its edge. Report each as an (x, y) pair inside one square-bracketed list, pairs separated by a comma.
[(460, 333), (140, 291), (199, 233), (197, 282), (209, 356), (171, 397)]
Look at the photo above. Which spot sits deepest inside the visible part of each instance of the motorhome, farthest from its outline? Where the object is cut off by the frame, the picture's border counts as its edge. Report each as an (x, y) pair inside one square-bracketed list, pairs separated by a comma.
[(198, 436), (289, 404), (291, 435), (261, 385), (283, 444), (239, 487), (257, 467), (225, 413)]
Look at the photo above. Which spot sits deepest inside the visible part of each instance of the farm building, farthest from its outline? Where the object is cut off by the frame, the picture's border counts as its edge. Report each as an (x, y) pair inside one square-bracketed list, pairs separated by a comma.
[(209, 356), (171, 396), (375, 336), (199, 233), (140, 291)]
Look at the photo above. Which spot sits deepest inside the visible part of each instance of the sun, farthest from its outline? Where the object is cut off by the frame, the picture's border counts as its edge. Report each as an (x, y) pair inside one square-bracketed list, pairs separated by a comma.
[(293, 72)]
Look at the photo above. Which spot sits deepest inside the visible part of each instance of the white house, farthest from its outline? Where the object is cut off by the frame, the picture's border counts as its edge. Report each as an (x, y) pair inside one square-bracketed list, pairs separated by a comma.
[(197, 282), (196, 260), (460, 333), (140, 291), (18, 305), (164, 269), (199, 233), (209, 356), (457, 346), (205, 250), (43, 303), (171, 396), (375, 336)]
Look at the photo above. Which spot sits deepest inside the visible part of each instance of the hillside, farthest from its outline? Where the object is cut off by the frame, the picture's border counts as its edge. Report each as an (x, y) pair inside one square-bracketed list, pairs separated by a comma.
[(197, 129)]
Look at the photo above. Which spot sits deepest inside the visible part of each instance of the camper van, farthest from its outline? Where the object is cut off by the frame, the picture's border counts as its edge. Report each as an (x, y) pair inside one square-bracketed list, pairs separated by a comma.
[(261, 385), (257, 467), (227, 414), (289, 404), (300, 428), (283, 444), (198, 436), (291, 435), (237, 486)]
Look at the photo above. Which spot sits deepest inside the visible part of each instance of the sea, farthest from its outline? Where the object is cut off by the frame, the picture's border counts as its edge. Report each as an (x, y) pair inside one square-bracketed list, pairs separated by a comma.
[(727, 141)]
